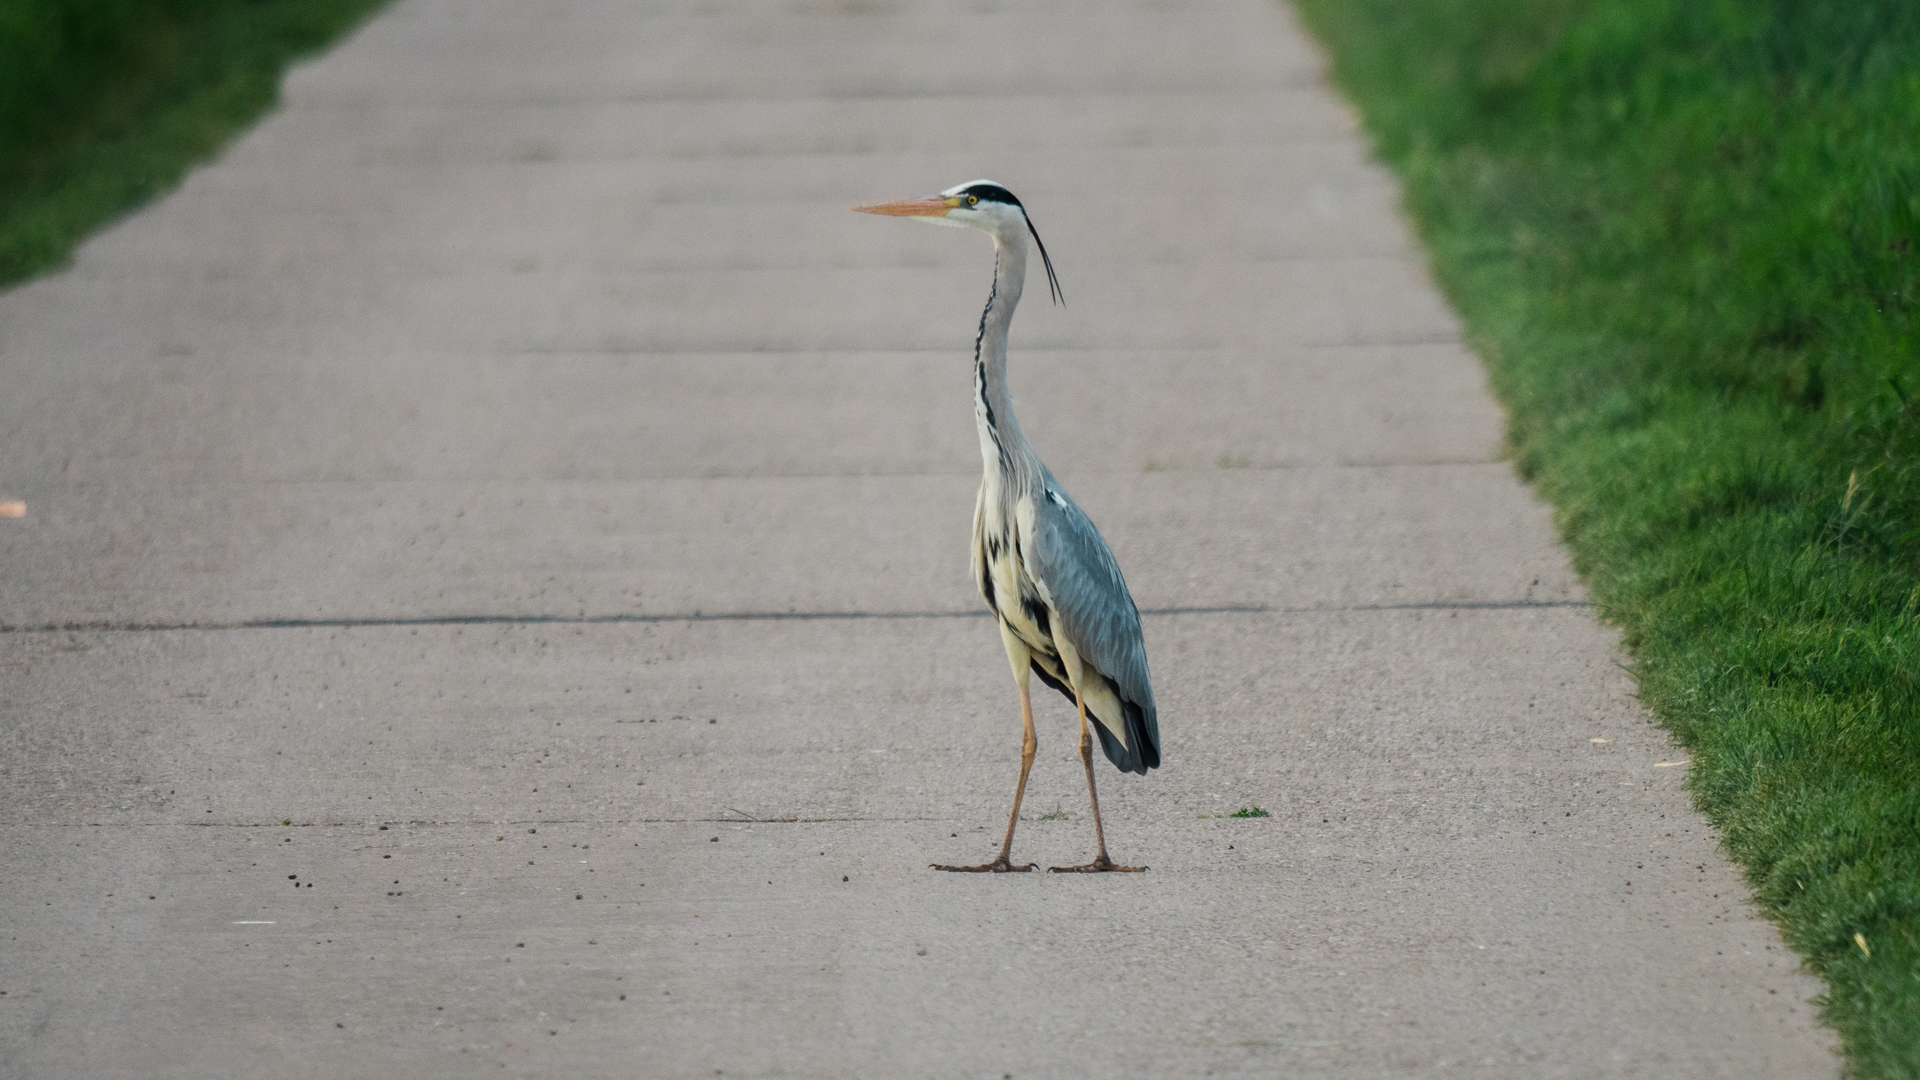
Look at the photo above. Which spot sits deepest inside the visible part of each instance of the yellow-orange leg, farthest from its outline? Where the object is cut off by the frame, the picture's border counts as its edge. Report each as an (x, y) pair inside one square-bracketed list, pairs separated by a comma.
[(1101, 864), (1004, 864)]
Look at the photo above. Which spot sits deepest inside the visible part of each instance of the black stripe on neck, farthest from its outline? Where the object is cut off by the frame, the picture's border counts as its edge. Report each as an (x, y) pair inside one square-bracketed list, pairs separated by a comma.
[(979, 353)]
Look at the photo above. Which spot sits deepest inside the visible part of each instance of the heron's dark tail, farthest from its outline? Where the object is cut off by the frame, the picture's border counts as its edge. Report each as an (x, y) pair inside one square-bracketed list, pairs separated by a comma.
[(1142, 751)]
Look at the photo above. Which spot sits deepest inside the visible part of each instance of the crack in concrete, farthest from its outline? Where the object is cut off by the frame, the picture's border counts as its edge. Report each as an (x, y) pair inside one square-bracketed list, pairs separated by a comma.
[(109, 626), (390, 825)]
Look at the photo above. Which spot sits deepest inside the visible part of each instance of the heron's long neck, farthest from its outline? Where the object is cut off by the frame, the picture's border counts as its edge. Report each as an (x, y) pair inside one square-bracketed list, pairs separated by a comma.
[(1003, 448)]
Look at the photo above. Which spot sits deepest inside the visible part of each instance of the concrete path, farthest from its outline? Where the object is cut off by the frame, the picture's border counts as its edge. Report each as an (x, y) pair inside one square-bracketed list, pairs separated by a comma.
[(508, 523)]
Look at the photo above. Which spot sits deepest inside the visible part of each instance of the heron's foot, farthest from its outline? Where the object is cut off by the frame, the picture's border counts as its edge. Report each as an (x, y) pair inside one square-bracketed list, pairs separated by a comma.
[(997, 866), (1101, 865)]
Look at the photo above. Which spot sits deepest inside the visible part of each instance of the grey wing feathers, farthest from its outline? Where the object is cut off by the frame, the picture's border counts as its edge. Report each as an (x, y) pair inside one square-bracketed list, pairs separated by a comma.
[(1097, 614)]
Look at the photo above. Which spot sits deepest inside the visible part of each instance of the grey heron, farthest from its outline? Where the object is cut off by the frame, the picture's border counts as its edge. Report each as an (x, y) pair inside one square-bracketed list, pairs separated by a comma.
[(1053, 585)]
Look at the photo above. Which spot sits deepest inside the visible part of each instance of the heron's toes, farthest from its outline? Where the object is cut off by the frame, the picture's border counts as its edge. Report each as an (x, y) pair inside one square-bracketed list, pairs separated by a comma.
[(997, 866), (1101, 865)]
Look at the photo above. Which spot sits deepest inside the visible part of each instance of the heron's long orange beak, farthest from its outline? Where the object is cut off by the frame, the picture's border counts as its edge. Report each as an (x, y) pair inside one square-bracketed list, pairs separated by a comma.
[(934, 207)]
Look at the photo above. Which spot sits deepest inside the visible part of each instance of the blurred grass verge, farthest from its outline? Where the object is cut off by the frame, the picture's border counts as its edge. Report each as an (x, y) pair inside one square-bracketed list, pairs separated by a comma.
[(1685, 238), (106, 103)]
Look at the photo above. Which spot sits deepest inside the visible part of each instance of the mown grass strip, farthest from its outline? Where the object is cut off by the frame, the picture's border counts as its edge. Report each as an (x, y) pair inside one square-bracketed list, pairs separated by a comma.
[(1685, 236), (106, 103)]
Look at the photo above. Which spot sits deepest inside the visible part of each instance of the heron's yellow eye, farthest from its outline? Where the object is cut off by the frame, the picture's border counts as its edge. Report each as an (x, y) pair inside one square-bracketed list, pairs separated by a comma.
[(973, 200)]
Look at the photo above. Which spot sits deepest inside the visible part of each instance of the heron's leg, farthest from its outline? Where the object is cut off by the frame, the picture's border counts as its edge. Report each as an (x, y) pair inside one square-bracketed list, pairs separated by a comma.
[(1101, 863), (1004, 864), (1028, 744)]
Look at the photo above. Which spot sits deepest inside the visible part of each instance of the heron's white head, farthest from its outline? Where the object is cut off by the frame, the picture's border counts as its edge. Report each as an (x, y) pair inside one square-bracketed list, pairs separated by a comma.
[(977, 204)]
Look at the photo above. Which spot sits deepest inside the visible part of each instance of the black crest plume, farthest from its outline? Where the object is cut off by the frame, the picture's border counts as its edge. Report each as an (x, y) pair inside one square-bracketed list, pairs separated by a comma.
[(996, 193), (1053, 282)]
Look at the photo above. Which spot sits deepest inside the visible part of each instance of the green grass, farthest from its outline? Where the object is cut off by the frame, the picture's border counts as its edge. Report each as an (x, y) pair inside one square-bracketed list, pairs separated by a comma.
[(1685, 237), (1249, 811), (106, 103)]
